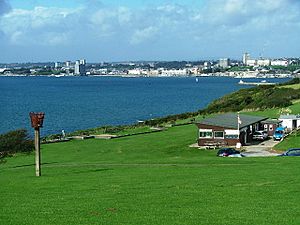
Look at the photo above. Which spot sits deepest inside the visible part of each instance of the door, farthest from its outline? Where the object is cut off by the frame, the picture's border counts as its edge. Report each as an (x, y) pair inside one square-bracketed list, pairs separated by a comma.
[(294, 124)]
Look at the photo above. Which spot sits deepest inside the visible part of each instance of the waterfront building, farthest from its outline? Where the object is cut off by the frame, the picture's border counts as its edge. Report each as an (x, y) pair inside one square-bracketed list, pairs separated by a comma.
[(251, 62), (154, 72), (207, 65), (68, 64), (263, 62), (279, 63), (82, 61), (224, 63), (80, 67), (135, 72), (175, 72), (195, 70), (246, 57)]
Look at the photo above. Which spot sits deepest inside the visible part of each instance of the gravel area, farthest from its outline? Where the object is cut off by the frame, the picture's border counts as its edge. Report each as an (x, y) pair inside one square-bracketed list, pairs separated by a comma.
[(260, 149)]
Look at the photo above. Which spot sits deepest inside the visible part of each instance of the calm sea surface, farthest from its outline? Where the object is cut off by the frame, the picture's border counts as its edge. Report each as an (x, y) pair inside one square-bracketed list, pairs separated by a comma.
[(73, 103)]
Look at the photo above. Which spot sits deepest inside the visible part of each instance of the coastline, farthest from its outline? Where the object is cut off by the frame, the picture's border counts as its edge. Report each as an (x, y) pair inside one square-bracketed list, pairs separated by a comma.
[(237, 75), (160, 123), (93, 101)]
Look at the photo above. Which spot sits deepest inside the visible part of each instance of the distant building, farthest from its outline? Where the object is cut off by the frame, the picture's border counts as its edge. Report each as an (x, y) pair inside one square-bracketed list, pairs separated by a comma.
[(246, 57), (80, 67), (224, 63), (207, 65), (134, 72), (68, 64), (251, 62), (247, 61), (175, 72), (263, 62), (279, 63), (56, 65)]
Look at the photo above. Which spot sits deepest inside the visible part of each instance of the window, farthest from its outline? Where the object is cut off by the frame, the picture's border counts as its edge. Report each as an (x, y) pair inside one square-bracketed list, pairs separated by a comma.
[(231, 134), (219, 134), (271, 127), (205, 133)]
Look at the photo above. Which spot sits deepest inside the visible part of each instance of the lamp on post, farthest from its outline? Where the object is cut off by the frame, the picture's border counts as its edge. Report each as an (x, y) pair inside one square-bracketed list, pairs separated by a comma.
[(37, 122)]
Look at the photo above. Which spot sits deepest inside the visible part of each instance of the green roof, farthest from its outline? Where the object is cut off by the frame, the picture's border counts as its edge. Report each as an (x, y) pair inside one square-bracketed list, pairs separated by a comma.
[(230, 120)]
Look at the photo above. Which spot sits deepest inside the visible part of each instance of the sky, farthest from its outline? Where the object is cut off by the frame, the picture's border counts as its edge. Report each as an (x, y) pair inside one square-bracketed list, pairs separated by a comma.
[(132, 30)]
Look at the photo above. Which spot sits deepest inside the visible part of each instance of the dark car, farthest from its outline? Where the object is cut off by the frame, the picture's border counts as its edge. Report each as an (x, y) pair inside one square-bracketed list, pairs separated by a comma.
[(229, 152), (292, 152)]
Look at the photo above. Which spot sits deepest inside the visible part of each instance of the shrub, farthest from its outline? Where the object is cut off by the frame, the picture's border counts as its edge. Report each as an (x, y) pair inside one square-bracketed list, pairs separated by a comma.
[(15, 141)]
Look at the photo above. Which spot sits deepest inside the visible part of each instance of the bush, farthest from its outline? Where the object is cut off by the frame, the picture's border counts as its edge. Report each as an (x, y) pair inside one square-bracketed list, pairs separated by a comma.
[(15, 141)]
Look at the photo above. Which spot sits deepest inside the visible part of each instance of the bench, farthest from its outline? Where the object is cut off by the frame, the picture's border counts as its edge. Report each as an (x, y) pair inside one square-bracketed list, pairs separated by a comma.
[(214, 144)]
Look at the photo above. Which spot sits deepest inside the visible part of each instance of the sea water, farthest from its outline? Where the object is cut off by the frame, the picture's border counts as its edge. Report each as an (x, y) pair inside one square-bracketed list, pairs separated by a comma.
[(74, 103)]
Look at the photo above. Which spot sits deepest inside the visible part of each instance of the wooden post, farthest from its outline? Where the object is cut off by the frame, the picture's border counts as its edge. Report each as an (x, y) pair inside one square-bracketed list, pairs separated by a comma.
[(37, 152), (37, 122)]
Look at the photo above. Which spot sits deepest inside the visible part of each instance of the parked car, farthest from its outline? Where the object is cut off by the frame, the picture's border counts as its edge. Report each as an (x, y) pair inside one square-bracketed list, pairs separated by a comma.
[(229, 152), (278, 134), (260, 135), (292, 152)]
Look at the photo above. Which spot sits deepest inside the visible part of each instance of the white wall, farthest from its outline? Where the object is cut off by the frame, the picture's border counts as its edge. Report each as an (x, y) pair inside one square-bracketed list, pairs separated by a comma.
[(288, 123)]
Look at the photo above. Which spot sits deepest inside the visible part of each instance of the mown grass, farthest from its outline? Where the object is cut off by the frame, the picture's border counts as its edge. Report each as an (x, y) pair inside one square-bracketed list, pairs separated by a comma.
[(148, 179)]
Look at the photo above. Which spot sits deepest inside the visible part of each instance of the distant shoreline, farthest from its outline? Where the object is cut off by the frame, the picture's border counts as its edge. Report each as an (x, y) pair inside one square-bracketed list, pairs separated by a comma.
[(79, 103), (278, 76)]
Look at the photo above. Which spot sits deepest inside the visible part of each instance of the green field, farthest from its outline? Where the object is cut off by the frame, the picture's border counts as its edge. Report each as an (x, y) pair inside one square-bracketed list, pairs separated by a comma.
[(148, 179)]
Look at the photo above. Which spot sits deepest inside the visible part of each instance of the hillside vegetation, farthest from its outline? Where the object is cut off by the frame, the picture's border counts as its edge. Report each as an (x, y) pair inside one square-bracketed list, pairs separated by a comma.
[(257, 98)]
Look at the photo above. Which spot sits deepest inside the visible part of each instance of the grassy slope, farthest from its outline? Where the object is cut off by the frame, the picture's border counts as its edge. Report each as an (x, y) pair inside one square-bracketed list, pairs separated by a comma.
[(148, 179), (275, 113), (294, 86), (291, 141)]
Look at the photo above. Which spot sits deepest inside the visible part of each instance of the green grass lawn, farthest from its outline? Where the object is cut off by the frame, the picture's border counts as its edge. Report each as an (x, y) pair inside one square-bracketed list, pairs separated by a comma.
[(148, 179)]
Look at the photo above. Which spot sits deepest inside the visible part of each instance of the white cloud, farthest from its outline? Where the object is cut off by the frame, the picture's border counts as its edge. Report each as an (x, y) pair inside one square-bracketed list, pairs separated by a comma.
[(216, 24), (143, 35), (32, 26), (124, 15)]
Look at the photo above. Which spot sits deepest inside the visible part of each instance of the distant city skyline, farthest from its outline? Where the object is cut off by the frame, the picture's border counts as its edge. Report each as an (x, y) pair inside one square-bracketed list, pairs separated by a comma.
[(133, 30)]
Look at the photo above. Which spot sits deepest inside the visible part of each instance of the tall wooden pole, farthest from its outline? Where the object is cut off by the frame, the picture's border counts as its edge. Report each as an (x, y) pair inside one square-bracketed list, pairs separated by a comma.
[(37, 152), (37, 122)]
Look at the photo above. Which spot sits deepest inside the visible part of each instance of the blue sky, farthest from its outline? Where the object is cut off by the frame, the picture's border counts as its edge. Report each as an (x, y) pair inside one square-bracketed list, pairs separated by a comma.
[(30, 4), (123, 30)]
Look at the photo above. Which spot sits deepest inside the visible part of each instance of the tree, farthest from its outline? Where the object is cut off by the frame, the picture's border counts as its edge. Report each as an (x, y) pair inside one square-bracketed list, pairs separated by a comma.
[(15, 141)]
